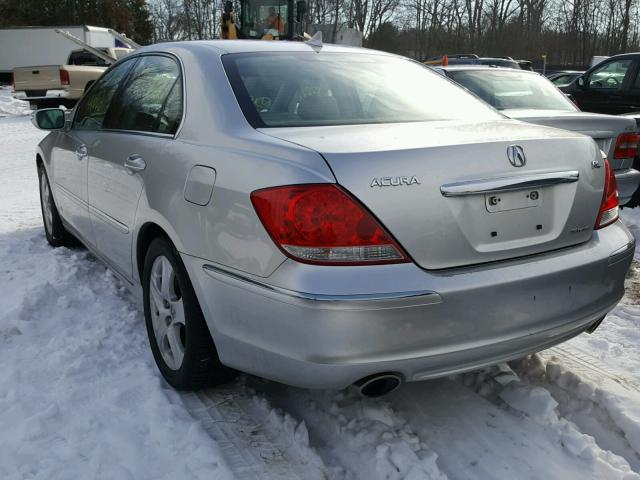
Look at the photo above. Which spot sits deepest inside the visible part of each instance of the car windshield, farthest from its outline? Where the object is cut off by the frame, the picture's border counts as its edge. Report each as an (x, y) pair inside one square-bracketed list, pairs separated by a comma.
[(310, 89), (508, 89)]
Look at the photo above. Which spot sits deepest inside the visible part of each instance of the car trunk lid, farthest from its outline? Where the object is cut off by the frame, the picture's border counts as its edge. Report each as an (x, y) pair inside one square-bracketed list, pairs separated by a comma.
[(412, 176)]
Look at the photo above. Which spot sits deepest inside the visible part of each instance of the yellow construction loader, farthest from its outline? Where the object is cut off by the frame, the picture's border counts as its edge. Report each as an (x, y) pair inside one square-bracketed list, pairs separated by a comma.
[(265, 20)]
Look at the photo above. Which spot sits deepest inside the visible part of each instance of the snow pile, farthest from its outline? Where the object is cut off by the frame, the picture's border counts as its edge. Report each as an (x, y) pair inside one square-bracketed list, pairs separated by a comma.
[(358, 438), (604, 409), (557, 409), (536, 402), (9, 106), (616, 342)]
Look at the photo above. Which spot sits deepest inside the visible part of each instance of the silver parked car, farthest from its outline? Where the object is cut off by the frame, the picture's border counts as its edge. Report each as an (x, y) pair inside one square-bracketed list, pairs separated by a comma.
[(532, 98), (324, 215)]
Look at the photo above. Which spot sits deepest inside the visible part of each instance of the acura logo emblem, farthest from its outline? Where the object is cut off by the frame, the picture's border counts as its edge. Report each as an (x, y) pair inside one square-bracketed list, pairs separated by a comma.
[(516, 156)]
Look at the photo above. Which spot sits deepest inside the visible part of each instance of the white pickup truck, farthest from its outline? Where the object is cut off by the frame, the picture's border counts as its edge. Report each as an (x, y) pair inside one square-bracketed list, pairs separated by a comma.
[(54, 85)]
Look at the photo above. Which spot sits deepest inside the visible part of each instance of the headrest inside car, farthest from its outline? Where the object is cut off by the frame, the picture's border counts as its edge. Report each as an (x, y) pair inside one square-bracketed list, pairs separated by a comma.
[(318, 108)]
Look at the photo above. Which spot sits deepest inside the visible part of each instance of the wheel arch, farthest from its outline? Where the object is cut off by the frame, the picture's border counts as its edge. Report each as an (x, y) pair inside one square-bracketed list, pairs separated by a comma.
[(147, 233)]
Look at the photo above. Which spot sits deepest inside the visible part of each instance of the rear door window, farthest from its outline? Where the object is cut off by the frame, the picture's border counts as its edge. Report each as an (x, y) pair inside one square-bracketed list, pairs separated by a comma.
[(151, 100)]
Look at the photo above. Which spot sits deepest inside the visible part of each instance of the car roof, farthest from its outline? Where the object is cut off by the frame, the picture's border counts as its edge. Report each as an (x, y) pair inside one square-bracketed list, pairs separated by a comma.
[(492, 68), (620, 55), (222, 47)]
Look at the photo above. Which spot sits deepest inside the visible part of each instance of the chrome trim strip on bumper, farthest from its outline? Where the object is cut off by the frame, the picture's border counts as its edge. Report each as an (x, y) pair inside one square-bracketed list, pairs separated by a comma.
[(419, 297), (504, 184)]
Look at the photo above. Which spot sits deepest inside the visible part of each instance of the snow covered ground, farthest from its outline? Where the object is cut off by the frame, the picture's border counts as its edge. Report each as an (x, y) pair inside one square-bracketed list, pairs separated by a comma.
[(80, 396)]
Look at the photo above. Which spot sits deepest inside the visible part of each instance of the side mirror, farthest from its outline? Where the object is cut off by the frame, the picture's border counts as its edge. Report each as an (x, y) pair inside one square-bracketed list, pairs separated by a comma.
[(580, 82), (49, 119)]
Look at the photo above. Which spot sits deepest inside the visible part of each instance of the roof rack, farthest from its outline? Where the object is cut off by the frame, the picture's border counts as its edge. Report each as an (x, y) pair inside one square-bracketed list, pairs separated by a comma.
[(463, 55)]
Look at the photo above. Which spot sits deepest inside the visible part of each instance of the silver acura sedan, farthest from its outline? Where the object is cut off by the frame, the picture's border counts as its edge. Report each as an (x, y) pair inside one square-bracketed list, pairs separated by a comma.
[(323, 216)]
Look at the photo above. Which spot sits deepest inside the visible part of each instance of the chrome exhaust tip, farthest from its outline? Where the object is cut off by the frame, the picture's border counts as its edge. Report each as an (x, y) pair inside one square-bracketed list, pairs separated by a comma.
[(378, 385)]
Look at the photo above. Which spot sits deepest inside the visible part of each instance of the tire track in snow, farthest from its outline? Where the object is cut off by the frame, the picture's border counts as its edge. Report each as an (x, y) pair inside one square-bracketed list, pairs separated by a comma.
[(589, 367), (252, 448)]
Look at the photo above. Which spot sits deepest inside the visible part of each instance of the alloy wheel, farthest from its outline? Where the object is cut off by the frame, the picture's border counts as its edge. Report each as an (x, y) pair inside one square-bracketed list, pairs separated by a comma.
[(167, 312), (47, 203)]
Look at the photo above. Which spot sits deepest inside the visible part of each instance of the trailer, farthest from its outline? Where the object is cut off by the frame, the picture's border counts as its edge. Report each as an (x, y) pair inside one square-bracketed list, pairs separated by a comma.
[(29, 46)]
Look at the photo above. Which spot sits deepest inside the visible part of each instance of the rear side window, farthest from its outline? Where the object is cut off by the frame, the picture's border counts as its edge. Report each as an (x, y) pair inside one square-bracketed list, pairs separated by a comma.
[(94, 105), (151, 100)]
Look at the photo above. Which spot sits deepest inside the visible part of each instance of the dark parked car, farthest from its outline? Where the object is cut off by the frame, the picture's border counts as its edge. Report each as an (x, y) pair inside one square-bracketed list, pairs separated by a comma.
[(612, 86), (525, 65)]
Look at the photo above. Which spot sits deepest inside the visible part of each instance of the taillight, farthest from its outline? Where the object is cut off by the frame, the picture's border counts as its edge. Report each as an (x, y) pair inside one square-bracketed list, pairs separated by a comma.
[(64, 77), (323, 224), (626, 146), (609, 206)]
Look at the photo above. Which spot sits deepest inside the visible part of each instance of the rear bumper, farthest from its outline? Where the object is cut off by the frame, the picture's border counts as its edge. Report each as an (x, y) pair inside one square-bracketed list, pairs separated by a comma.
[(49, 95), (325, 327), (628, 180)]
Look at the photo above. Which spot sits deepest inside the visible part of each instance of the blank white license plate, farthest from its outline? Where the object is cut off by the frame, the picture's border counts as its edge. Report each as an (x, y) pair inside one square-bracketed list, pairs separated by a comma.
[(505, 201)]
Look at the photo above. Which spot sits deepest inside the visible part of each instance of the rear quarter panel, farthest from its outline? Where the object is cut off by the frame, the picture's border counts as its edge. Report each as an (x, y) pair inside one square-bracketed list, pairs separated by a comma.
[(215, 134)]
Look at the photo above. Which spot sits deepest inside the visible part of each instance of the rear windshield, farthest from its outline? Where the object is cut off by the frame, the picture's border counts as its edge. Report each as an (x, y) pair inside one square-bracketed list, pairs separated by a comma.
[(86, 58), (310, 89), (509, 89)]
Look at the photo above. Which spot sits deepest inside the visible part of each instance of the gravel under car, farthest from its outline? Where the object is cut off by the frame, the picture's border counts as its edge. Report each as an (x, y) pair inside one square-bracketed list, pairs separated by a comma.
[(322, 216)]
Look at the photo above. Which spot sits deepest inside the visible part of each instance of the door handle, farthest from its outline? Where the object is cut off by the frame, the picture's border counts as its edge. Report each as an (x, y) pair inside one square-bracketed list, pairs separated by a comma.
[(134, 163), (82, 152)]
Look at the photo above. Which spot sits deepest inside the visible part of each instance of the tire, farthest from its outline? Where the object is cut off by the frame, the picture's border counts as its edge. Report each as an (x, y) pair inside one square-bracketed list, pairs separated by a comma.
[(634, 201), (42, 104), (178, 334), (56, 234)]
